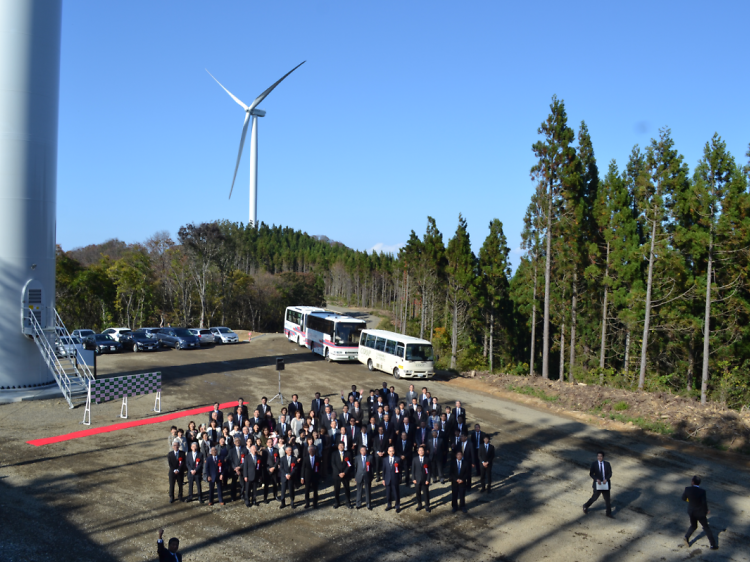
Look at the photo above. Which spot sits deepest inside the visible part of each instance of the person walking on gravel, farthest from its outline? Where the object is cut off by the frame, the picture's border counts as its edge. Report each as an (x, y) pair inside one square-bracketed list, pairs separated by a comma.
[(601, 473), (698, 510)]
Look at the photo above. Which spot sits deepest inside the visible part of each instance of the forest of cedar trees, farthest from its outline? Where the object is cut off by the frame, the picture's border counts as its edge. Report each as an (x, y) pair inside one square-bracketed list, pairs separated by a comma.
[(632, 274)]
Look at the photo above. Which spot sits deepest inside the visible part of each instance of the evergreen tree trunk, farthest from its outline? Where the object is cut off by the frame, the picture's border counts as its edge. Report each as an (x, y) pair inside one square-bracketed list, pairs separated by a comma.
[(604, 320), (691, 363), (561, 375), (647, 319), (573, 321), (706, 325), (547, 274), (406, 308), (485, 337), (533, 325), (454, 336), (492, 327), (432, 317)]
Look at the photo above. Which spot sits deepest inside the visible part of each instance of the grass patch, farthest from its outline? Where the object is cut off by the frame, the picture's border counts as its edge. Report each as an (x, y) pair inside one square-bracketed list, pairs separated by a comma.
[(621, 406), (535, 392), (653, 426)]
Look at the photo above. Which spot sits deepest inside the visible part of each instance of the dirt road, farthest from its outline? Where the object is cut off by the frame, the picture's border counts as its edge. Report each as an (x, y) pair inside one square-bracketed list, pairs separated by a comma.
[(104, 497)]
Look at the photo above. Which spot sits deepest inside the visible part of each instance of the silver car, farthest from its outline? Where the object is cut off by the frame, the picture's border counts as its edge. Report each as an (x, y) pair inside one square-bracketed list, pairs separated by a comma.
[(224, 335), (66, 346), (206, 337)]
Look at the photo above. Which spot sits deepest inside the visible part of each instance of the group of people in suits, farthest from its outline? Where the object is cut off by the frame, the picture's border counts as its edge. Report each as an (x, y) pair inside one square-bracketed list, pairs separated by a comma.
[(695, 496), (370, 441)]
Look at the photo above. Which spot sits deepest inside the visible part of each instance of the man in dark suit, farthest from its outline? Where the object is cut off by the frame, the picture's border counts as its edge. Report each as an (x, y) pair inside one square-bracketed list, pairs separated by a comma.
[(234, 469), (419, 416), (436, 448), (601, 473), (170, 553), (311, 475), (486, 455), (698, 511), (270, 461), (407, 427), (405, 451), (252, 471), (176, 462), (363, 472), (477, 439), (364, 439), (263, 407), (257, 419), (392, 399), (194, 462), (422, 434), (241, 408), (342, 474), (295, 406), (288, 469), (420, 473), (283, 426), (230, 423), (384, 392), (460, 471), (358, 413), (458, 412), (467, 450), (389, 428), (391, 479), (317, 405), (216, 473), (217, 415), (380, 446)]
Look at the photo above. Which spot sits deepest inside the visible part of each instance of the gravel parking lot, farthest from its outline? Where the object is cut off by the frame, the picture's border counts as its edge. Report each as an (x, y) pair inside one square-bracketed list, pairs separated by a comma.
[(103, 497)]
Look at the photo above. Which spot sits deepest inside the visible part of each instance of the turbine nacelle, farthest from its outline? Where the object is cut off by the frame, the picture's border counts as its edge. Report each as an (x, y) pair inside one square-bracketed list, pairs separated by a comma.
[(256, 112)]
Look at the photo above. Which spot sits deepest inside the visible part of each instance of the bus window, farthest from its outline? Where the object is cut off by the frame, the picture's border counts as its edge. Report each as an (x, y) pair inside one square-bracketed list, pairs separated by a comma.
[(370, 341), (390, 347), (400, 350), (347, 334), (380, 344), (419, 352)]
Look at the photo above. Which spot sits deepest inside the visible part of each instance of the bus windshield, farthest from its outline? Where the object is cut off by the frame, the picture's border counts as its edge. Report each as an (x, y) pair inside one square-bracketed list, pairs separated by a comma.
[(419, 352), (348, 334)]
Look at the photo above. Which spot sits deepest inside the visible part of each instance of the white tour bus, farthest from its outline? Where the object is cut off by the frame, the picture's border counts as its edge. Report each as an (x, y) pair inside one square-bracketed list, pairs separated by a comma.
[(334, 336), (404, 356), (295, 322)]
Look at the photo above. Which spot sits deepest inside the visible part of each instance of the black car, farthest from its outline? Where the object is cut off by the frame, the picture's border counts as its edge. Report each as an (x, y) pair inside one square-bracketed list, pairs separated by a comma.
[(178, 338), (140, 340), (101, 343)]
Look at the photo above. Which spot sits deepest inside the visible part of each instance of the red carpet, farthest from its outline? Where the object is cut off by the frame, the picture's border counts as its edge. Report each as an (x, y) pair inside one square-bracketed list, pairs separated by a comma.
[(126, 425)]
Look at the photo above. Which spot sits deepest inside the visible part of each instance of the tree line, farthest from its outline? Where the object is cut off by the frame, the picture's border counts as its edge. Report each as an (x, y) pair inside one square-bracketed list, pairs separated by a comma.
[(636, 277)]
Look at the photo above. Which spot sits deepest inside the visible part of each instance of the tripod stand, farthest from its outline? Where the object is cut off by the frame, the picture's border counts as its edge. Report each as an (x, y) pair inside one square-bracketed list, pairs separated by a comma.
[(279, 368)]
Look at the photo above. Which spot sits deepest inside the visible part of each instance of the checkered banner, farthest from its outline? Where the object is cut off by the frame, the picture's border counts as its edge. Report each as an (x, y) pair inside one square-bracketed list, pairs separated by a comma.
[(104, 390)]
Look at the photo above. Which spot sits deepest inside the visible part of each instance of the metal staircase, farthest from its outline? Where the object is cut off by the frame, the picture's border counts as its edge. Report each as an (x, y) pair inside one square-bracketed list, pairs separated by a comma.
[(70, 370)]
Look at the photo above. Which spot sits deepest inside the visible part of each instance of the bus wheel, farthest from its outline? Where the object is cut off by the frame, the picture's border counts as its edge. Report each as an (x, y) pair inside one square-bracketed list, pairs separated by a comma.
[(396, 373), (328, 357), (370, 365)]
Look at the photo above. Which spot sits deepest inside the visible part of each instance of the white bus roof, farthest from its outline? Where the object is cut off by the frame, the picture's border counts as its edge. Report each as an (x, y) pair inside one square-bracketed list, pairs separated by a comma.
[(336, 316), (306, 308), (395, 336)]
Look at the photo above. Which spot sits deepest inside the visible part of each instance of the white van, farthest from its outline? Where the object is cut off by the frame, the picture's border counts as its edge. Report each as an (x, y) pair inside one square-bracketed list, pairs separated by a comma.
[(404, 356)]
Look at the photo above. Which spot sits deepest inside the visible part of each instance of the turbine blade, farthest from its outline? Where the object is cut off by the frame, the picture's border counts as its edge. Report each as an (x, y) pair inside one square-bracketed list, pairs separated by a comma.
[(239, 155), (261, 97), (228, 92)]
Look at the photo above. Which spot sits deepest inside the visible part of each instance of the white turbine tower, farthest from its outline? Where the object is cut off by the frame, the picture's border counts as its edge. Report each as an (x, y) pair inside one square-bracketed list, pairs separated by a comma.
[(250, 110)]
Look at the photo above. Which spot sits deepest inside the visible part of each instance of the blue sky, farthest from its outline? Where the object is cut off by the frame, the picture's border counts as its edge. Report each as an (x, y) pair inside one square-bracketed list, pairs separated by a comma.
[(403, 109)]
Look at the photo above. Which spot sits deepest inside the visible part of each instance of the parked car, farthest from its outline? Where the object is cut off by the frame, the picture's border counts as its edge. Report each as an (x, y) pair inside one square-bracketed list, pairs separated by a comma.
[(117, 333), (82, 333), (66, 346), (101, 343), (206, 337), (140, 340), (151, 332), (224, 335), (178, 338)]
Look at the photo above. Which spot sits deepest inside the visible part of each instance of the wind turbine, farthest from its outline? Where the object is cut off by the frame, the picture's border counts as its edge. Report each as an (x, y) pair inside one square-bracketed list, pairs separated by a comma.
[(250, 110)]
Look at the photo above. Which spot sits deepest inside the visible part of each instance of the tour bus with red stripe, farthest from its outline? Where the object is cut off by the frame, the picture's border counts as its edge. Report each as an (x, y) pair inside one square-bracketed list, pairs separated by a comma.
[(295, 321), (334, 336)]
